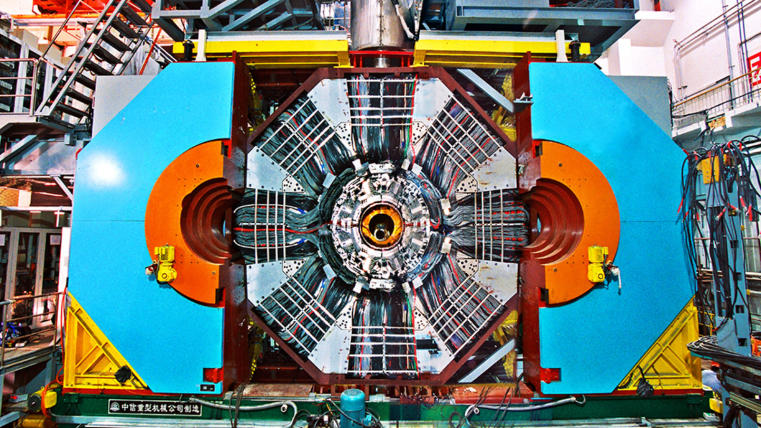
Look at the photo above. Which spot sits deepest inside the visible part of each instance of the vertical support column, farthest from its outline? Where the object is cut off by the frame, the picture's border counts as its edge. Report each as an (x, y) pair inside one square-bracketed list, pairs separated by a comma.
[(50, 72), (38, 305), (730, 64), (18, 105), (10, 288), (63, 278)]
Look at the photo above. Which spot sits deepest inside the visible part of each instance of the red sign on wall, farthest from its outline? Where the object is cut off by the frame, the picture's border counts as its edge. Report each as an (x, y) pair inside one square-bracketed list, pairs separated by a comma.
[(754, 65)]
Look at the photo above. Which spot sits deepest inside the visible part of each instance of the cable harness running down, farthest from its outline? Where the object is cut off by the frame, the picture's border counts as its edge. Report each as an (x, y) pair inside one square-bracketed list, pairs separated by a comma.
[(389, 250), (717, 213)]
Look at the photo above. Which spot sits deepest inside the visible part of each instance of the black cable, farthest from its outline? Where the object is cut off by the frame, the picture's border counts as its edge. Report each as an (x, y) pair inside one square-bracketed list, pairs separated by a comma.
[(512, 397), (238, 399), (459, 421), (707, 346), (497, 415), (731, 175)]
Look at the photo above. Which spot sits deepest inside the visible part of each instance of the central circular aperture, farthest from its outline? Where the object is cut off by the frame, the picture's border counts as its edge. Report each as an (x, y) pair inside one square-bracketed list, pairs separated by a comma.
[(381, 225)]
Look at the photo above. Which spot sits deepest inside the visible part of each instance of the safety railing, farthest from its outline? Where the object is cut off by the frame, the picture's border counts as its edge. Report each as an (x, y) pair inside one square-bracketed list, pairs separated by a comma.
[(714, 101), (26, 318), (79, 8), (18, 87), (32, 82), (33, 72)]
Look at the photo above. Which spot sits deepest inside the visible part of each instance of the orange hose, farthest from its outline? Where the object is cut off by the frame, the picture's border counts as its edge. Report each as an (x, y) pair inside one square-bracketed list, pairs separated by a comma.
[(150, 51)]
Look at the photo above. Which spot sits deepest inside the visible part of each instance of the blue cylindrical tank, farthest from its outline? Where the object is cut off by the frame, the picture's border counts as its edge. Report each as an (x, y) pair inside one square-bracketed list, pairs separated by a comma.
[(353, 404)]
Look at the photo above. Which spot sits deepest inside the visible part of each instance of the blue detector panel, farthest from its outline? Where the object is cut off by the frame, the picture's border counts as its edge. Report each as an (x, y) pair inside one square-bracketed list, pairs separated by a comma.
[(597, 339), (167, 338)]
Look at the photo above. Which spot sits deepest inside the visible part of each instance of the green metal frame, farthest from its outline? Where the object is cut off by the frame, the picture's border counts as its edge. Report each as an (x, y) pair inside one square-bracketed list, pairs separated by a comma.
[(688, 406)]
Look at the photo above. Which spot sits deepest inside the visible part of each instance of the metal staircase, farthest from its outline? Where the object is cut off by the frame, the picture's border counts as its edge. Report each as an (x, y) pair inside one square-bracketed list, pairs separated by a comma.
[(107, 48)]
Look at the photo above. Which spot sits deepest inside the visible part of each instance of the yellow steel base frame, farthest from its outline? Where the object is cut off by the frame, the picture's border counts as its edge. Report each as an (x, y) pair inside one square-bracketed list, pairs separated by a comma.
[(90, 360), (456, 51), (502, 117), (668, 364)]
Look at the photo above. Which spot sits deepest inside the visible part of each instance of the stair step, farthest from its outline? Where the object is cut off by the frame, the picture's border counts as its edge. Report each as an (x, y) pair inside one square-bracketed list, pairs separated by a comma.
[(97, 68), (133, 17), (86, 81), (73, 93), (124, 28), (105, 55), (142, 5), (114, 41), (71, 110)]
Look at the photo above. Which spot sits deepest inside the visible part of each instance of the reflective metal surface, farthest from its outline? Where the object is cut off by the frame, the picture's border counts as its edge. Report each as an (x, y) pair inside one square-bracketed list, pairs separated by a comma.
[(376, 25)]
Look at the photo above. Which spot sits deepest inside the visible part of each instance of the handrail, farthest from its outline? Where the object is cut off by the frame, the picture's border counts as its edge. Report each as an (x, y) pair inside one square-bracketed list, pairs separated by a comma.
[(18, 78), (60, 28), (707, 25), (713, 88), (19, 59), (37, 296), (36, 65), (41, 111), (26, 317)]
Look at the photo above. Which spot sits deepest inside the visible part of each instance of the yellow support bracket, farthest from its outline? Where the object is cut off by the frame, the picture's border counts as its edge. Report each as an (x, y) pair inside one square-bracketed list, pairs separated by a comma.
[(502, 117), (668, 364), (278, 53), (503, 334), (91, 360), (484, 53)]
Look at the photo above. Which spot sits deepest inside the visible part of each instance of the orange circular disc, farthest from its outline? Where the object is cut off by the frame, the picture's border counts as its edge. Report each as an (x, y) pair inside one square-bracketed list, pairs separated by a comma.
[(572, 207), (187, 209), (381, 226)]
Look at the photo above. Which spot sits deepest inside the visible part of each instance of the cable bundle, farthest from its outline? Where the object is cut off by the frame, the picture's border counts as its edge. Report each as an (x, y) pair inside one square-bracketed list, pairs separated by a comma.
[(489, 225), (303, 143), (305, 306), (707, 346), (271, 225), (383, 338), (456, 144), (456, 305), (381, 115), (710, 208)]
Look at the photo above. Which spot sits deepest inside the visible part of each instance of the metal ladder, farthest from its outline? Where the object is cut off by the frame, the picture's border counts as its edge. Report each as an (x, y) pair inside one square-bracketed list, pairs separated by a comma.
[(110, 43)]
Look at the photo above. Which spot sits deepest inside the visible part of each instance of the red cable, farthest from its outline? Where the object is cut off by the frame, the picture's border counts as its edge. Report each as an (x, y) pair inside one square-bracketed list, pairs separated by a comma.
[(313, 309), (480, 302), (454, 179), (311, 141), (276, 229), (150, 51)]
